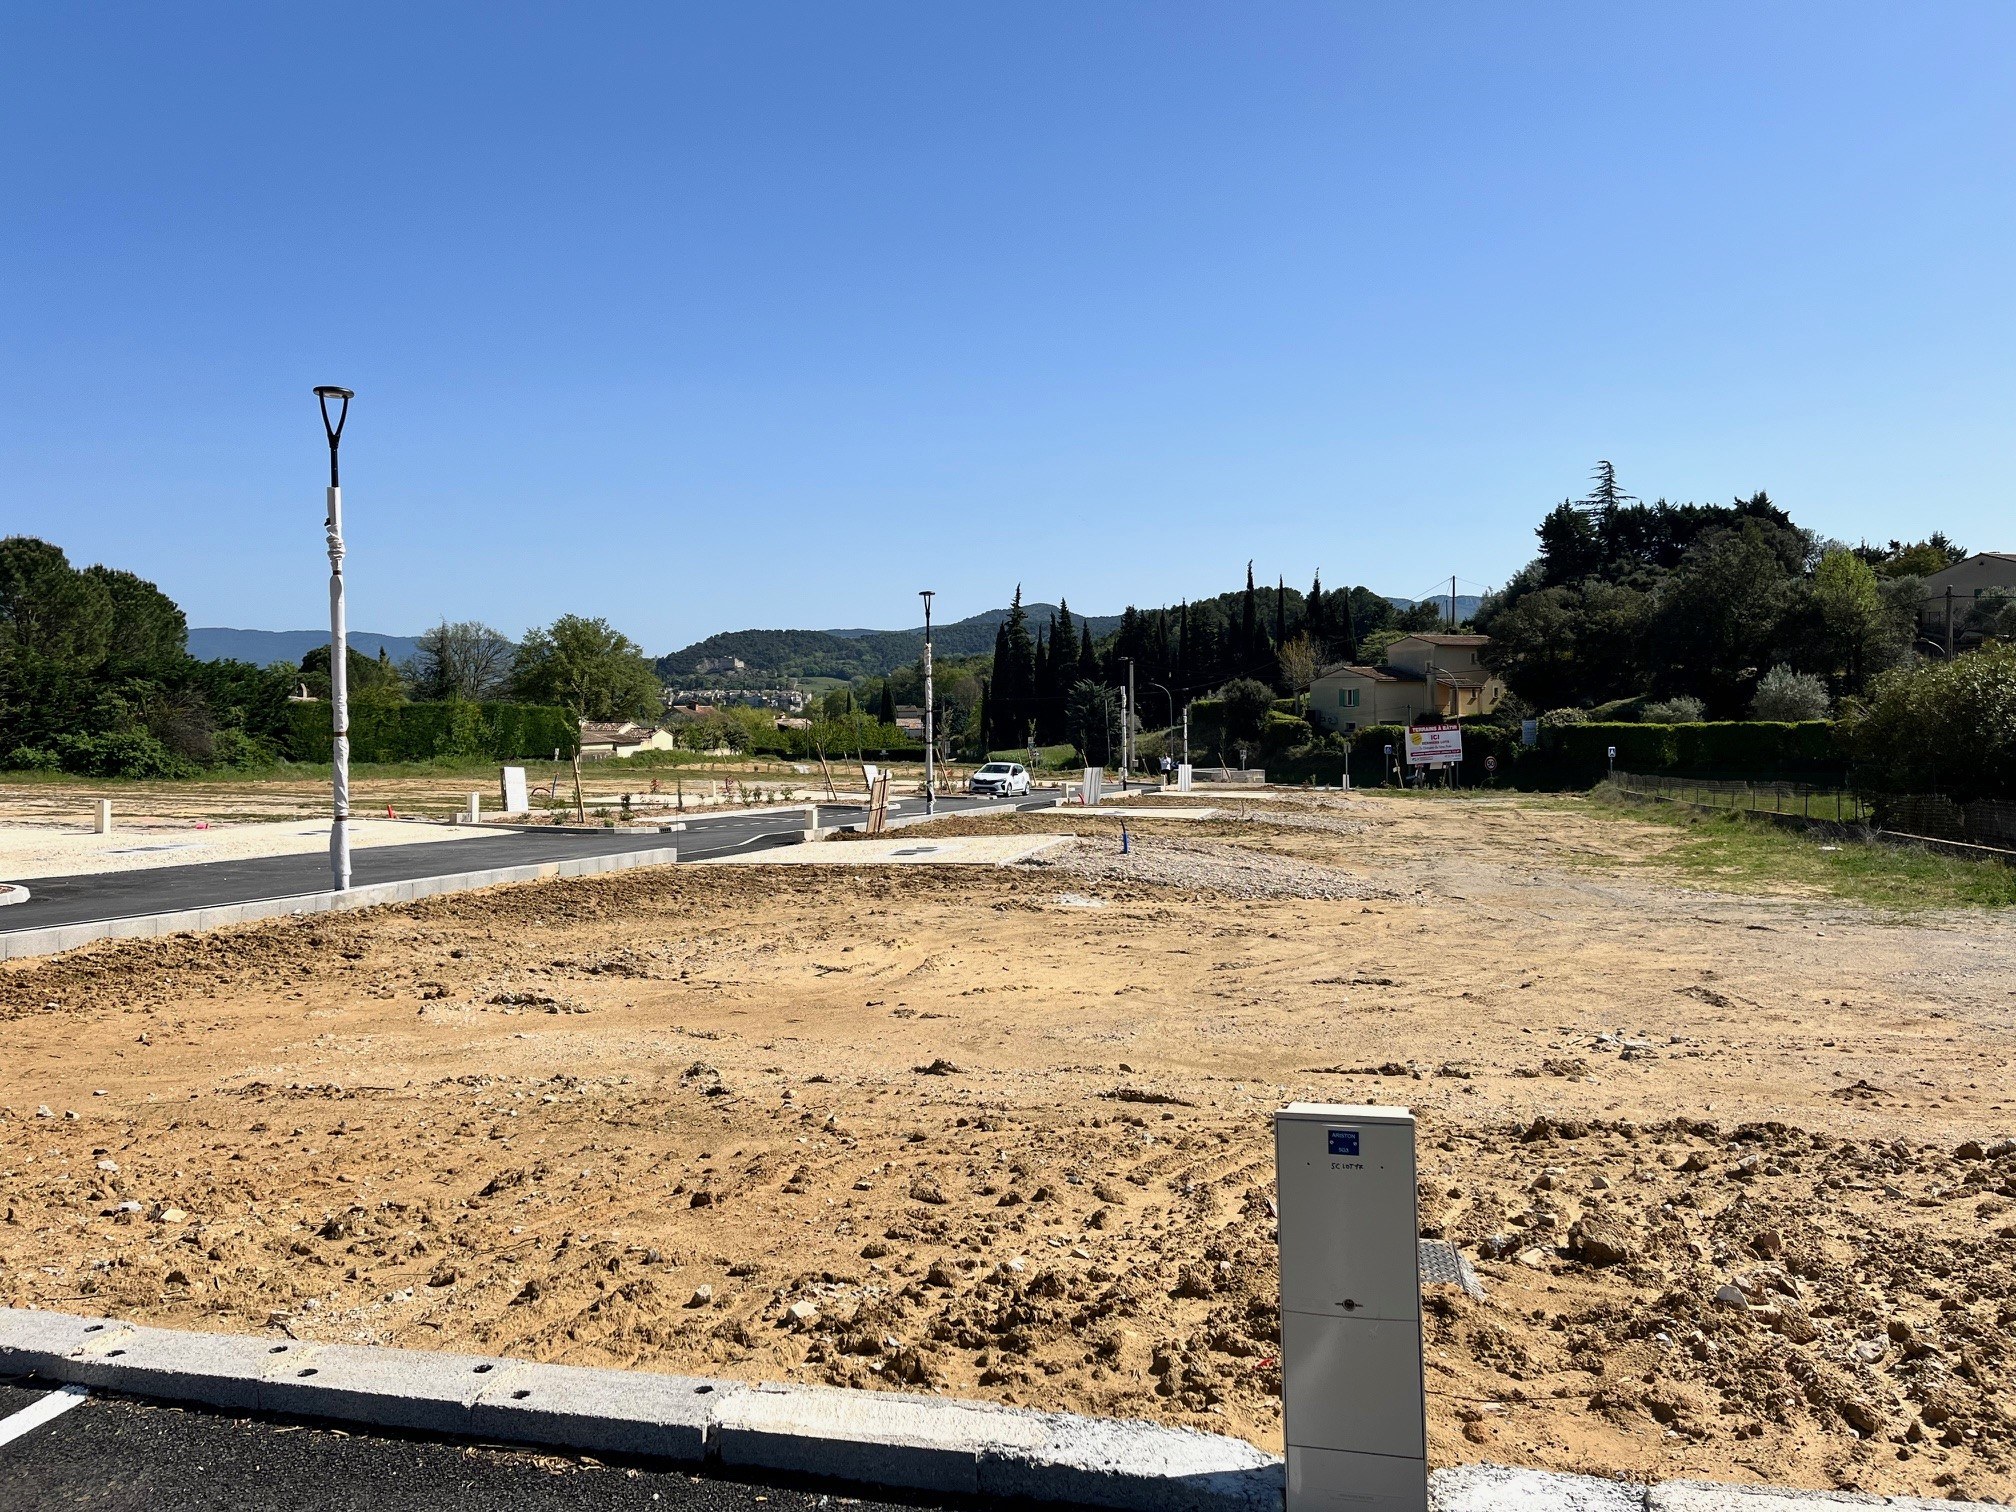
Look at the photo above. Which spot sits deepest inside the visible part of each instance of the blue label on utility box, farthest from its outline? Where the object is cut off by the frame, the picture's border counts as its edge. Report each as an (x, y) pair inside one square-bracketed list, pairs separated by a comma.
[(1343, 1141)]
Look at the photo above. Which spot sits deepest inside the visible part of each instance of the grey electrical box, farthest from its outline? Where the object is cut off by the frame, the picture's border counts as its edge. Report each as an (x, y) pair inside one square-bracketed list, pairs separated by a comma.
[(1352, 1397)]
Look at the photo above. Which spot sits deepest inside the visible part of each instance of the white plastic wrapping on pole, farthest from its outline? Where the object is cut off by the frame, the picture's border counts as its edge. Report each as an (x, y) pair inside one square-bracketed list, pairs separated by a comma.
[(339, 703), (1353, 1404)]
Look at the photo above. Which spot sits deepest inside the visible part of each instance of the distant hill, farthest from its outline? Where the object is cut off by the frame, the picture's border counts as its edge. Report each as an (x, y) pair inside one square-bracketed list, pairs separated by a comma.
[(1466, 603), (266, 647), (850, 653)]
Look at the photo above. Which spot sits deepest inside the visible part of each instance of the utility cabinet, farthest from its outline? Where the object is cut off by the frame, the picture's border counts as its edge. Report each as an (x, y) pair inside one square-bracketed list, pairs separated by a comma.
[(1352, 1397)]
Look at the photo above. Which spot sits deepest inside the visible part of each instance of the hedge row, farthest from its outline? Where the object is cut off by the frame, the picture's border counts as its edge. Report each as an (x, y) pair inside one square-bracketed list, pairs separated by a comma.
[(1731, 748), (1572, 756), (424, 731)]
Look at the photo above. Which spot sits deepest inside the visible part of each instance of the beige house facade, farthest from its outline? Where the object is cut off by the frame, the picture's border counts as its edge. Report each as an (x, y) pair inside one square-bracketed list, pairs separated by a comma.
[(1423, 677), (1969, 581), (601, 741)]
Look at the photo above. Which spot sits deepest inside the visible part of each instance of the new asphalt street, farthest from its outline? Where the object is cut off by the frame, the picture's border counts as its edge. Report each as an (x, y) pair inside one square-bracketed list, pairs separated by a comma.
[(98, 896), (110, 1454)]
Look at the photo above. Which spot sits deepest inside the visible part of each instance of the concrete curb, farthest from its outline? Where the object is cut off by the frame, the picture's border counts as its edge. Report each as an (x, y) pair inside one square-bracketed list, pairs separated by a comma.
[(872, 1438), (60, 937)]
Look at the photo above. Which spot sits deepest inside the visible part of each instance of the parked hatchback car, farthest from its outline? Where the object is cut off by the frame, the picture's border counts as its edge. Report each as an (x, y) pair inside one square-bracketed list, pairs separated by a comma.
[(1002, 779)]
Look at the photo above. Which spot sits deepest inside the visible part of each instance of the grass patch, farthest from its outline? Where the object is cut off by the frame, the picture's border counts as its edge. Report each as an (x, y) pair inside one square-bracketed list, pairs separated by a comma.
[(1742, 854)]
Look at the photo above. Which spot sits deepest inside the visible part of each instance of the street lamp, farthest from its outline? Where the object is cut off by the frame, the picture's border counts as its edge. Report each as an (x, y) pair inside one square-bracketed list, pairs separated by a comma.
[(930, 725), (339, 647), (1172, 722)]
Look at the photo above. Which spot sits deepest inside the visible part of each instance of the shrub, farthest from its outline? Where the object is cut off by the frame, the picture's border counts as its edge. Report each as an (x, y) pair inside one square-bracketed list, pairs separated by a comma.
[(236, 749), (1783, 694), (32, 759), (1554, 719), (123, 753), (1681, 710), (1944, 727)]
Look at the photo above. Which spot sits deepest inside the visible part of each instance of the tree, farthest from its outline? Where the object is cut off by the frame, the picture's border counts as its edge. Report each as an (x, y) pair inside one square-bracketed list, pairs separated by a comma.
[(1245, 704), (465, 659), (49, 609), (1604, 495), (1715, 619), (1861, 631), (367, 679), (147, 633), (885, 708), (1790, 696), (1299, 665), (1092, 715), (1248, 649), (588, 668), (1943, 727)]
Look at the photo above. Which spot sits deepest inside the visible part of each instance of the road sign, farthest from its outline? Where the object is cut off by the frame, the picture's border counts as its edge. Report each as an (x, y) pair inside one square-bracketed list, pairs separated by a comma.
[(1490, 763), (1434, 745)]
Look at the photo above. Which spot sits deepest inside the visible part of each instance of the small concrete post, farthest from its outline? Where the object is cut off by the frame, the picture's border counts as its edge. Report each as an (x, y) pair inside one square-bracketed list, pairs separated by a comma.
[(811, 822), (475, 808), (101, 822)]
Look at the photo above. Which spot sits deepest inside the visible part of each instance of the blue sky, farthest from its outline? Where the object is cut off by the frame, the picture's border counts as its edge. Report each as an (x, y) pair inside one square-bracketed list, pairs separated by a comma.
[(705, 317)]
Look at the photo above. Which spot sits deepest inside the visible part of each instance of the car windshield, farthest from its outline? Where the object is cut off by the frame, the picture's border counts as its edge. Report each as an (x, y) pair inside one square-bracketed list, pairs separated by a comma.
[(996, 769)]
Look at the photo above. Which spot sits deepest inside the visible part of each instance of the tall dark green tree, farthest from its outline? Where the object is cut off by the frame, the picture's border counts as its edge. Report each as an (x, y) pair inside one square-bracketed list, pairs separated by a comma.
[(1247, 650)]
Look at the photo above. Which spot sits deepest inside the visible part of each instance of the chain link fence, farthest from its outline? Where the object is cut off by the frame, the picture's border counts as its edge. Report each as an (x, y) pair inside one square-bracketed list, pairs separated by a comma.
[(1986, 822), (1834, 805)]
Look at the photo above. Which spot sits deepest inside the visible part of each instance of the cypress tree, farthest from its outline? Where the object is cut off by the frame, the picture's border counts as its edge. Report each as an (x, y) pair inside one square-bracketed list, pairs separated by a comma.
[(1315, 621), (886, 711), (1246, 652)]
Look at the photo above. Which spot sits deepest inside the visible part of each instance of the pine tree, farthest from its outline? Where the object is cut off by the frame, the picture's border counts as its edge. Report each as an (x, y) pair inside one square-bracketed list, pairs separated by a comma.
[(1604, 495)]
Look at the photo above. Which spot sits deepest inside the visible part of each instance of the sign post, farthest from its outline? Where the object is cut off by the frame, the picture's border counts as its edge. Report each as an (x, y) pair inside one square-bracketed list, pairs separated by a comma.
[(1434, 745)]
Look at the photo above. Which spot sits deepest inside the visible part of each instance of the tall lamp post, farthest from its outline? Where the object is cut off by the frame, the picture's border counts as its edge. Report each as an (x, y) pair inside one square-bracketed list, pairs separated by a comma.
[(930, 719), (339, 647)]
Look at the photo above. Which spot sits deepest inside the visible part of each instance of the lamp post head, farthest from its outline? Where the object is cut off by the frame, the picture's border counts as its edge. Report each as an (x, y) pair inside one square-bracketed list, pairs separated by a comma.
[(324, 392)]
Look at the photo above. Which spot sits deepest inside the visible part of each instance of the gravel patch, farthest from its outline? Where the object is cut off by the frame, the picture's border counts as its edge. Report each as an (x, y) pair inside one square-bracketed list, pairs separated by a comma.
[(1201, 866)]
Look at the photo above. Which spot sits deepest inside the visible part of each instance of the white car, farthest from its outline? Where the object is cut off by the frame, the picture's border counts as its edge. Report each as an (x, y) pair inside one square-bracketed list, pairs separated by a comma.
[(1002, 779)]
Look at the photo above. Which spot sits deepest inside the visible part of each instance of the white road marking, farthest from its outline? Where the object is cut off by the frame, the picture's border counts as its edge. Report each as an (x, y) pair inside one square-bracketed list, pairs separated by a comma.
[(50, 1405)]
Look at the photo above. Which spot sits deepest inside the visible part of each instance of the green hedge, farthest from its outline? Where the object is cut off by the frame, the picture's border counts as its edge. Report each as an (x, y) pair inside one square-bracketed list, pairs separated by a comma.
[(1752, 748), (1052, 758), (425, 731)]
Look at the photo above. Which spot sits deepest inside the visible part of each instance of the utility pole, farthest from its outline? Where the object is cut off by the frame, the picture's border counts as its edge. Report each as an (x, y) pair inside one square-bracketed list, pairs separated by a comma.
[(339, 648), (1452, 602), (930, 724), (1186, 734)]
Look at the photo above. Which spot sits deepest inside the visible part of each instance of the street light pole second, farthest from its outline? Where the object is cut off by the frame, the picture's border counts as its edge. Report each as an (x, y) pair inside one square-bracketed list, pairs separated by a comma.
[(339, 649), (930, 722)]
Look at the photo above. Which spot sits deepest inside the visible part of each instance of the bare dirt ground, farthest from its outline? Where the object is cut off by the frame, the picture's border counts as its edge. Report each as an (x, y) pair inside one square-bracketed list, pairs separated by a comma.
[(1004, 1132)]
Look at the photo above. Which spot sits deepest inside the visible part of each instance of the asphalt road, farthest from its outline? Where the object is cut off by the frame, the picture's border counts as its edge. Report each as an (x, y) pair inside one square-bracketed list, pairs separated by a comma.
[(110, 1454), (92, 897)]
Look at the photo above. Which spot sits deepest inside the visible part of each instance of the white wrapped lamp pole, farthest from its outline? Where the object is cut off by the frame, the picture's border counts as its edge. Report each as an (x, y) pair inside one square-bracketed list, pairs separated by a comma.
[(339, 649)]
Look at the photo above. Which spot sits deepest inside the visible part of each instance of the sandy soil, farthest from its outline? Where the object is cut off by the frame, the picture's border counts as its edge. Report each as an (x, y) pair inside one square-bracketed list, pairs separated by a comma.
[(1004, 1132)]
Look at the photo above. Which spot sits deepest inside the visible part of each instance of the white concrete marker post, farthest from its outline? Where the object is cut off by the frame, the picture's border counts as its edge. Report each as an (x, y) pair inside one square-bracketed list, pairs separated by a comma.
[(1093, 787), (101, 821), (1185, 775), (475, 808), (1354, 1411), (517, 799)]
